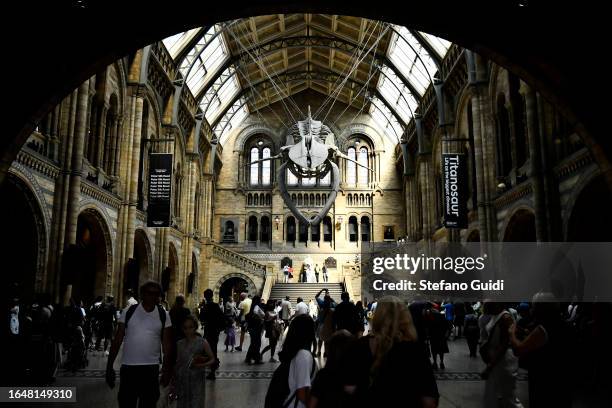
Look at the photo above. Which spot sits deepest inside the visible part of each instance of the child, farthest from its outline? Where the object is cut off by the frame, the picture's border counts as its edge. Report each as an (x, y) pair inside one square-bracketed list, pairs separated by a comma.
[(230, 334), (193, 355)]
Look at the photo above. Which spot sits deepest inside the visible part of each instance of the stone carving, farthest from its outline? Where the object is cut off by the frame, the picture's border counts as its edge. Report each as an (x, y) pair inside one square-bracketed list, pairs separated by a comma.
[(309, 151)]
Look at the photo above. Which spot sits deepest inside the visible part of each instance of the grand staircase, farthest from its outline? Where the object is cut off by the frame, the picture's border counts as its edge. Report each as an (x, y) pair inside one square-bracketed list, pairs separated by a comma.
[(306, 291)]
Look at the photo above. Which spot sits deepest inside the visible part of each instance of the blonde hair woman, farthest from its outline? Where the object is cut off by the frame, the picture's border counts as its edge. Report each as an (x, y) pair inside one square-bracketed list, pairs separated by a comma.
[(389, 359)]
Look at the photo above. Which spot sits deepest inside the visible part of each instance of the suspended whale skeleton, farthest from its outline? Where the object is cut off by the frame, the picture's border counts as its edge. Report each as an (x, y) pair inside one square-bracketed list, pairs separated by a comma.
[(312, 155)]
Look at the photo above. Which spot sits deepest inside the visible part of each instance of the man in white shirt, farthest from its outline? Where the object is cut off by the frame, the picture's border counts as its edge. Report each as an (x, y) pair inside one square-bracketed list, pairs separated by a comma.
[(143, 329), (286, 311), (131, 301), (301, 307), (244, 306)]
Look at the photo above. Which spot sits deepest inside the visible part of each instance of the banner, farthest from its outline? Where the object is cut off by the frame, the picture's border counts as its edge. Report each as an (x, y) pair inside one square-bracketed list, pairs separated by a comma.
[(160, 190), (454, 173)]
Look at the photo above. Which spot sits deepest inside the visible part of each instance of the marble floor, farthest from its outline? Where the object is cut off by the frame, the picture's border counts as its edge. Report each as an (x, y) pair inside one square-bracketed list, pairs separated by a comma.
[(239, 385)]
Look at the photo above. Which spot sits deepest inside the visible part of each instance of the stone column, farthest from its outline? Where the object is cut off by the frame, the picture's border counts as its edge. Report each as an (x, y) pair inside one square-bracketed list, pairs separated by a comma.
[(100, 137), (76, 170), (427, 196), (537, 181), (115, 155)]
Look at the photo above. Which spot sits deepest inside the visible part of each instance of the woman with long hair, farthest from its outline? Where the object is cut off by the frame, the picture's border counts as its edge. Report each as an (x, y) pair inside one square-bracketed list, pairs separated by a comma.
[(296, 352), (389, 359), (255, 319), (272, 329)]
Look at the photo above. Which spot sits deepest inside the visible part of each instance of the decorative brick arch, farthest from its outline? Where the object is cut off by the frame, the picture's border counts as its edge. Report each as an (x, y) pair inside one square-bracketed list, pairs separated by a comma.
[(250, 284), (97, 215)]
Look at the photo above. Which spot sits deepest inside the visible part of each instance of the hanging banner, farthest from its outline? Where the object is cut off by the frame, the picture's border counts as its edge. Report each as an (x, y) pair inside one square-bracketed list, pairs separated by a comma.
[(454, 173), (160, 190)]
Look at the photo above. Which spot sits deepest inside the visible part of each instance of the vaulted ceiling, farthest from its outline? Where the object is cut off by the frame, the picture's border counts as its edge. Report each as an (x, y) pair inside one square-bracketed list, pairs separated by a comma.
[(243, 66)]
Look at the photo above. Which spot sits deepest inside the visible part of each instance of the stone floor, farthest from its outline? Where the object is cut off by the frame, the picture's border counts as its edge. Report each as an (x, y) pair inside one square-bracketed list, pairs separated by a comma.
[(239, 385)]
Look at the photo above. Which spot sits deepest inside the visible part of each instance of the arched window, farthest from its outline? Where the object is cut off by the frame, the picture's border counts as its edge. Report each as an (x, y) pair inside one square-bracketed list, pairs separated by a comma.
[(250, 199), (265, 229), (362, 175), (229, 232), (318, 199), (266, 167), (351, 174), (254, 180), (268, 200), (315, 232), (303, 232), (256, 202), (361, 200), (327, 229), (252, 229), (260, 170), (290, 229), (349, 200), (365, 229), (300, 202), (353, 229)]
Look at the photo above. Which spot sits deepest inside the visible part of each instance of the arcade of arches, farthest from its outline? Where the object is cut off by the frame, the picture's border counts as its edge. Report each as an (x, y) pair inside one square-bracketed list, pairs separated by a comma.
[(78, 186)]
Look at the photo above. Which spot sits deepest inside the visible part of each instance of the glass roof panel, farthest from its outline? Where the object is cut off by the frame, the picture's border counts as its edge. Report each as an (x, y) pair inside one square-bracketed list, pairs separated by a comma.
[(219, 95), (175, 43), (386, 120), (204, 59), (232, 118), (411, 58), (397, 94), (440, 45)]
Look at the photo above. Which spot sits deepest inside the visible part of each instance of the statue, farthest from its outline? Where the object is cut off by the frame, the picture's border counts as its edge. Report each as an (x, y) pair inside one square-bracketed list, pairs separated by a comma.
[(310, 151)]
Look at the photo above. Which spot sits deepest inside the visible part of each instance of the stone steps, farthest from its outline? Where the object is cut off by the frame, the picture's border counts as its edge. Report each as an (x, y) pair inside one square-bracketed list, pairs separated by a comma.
[(306, 291)]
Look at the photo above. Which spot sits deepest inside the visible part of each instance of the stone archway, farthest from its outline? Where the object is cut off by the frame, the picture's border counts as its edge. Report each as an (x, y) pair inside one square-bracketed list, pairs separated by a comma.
[(169, 277), (142, 257), (520, 227), (90, 275), (26, 250), (250, 285)]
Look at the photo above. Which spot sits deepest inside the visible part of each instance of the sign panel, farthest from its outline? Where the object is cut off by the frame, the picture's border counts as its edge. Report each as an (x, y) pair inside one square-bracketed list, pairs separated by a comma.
[(454, 173), (160, 190)]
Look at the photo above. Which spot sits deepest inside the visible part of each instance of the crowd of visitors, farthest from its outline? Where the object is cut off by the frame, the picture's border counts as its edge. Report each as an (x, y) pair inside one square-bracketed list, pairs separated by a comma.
[(332, 353)]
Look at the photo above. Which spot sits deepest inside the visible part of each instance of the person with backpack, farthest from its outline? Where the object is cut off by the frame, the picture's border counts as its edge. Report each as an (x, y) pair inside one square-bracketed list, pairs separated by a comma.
[(255, 319), (144, 330), (273, 330), (291, 381), (214, 323), (502, 365)]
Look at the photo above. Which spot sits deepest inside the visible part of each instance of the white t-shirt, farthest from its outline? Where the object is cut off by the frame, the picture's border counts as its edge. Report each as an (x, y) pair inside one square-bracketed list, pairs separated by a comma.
[(142, 341), (299, 374), (301, 308)]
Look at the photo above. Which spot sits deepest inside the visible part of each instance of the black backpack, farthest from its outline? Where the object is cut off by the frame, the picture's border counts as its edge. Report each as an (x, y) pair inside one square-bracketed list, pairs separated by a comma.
[(278, 390)]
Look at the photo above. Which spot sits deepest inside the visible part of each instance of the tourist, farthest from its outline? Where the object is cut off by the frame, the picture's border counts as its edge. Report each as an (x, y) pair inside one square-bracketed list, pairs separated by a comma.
[(325, 323), (272, 329), (130, 298), (178, 313), (459, 317), (328, 385), (545, 346), (286, 273), (107, 323), (214, 324), (296, 352), (438, 330), (316, 271), (230, 335), (471, 332), (244, 306), (390, 360), (142, 328), (448, 310), (346, 315), (301, 307), (501, 363), (312, 309), (255, 319), (360, 318), (193, 355), (285, 311), (324, 270)]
